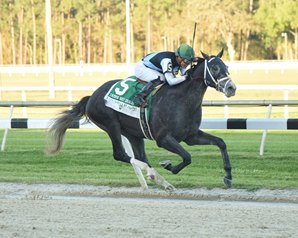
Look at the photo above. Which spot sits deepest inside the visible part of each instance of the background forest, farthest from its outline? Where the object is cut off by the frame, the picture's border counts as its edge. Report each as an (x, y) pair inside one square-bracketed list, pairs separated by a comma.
[(95, 30)]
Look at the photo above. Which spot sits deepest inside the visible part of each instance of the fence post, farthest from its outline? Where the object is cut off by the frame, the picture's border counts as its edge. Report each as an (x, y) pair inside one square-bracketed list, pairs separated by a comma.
[(226, 108), (6, 130), (24, 99), (286, 108), (265, 131), (69, 93)]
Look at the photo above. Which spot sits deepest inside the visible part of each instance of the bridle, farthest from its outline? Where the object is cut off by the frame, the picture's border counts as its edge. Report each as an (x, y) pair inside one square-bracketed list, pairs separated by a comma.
[(209, 80)]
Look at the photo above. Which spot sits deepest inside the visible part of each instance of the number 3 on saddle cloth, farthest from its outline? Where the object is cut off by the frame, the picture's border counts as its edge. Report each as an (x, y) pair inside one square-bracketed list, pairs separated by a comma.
[(120, 98)]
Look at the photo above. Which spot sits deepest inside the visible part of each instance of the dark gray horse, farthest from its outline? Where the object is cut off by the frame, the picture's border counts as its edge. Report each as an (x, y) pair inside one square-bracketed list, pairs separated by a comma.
[(175, 116)]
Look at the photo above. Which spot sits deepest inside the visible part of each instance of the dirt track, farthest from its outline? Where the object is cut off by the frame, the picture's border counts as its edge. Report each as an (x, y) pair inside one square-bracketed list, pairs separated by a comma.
[(89, 211)]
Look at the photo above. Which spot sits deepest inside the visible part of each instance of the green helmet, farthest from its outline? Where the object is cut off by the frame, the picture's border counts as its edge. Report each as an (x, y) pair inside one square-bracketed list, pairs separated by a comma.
[(185, 51)]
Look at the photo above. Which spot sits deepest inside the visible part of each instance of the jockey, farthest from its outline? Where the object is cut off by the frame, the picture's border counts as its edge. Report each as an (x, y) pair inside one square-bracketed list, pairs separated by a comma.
[(162, 66)]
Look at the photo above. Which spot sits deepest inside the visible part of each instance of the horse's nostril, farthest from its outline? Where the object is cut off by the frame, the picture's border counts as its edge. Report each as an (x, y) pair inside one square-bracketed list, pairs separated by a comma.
[(230, 91), (231, 88)]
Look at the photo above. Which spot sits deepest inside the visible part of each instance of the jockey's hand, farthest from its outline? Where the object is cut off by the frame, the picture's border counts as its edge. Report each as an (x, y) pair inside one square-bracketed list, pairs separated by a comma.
[(188, 73), (196, 59)]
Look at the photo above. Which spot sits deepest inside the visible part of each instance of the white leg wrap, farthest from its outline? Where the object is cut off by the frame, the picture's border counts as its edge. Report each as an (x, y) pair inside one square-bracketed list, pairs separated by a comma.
[(152, 173), (136, 167), (140, 164), (140, 176), (127, 146)]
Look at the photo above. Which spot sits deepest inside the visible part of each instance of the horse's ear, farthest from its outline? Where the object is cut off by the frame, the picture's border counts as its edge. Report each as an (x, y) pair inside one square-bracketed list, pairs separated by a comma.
[(205, 55), (220, 53)]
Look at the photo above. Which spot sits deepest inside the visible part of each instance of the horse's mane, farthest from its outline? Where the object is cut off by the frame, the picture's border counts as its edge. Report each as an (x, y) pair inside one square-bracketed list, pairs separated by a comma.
[(196, 65), (201, 60), (198, 62)]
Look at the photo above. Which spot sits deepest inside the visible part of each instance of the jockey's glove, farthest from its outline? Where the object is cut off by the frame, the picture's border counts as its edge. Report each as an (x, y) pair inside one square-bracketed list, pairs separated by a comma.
[(196, 59)]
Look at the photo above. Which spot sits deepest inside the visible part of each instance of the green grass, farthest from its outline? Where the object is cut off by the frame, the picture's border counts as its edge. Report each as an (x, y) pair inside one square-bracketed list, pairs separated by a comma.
[(86, 158)]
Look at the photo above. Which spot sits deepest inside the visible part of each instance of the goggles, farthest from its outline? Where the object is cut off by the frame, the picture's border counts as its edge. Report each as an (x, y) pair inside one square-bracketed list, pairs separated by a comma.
[(186, 61)]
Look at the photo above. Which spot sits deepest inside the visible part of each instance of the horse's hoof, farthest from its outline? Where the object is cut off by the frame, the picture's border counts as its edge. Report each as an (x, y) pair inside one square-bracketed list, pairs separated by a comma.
[(228, 182), (170, 188), (166, 164)]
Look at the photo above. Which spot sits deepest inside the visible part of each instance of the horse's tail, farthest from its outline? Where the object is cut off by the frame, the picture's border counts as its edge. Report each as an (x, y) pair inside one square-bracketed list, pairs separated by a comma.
[(60, 125)]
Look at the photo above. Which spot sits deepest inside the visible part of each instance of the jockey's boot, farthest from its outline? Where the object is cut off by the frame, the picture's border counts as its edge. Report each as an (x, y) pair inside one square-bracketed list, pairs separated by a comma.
[(140, 98)]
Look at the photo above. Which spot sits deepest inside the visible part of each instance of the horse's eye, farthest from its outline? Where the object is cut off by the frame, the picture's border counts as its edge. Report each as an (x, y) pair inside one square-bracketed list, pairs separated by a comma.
[(215, 69)]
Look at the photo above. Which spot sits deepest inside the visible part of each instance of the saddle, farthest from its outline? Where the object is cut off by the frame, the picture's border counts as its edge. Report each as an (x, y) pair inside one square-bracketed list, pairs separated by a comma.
[(149, 89), (120, 98)]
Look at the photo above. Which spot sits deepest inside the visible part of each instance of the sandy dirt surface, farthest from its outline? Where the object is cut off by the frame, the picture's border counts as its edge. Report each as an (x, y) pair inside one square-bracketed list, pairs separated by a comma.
[(59, 210)]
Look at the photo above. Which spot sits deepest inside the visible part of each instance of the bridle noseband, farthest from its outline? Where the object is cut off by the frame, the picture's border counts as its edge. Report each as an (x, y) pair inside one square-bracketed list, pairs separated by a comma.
[(216, 83)]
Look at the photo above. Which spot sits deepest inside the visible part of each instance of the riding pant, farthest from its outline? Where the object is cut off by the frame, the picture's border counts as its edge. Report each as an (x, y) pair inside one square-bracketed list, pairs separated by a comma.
[(147, 74)]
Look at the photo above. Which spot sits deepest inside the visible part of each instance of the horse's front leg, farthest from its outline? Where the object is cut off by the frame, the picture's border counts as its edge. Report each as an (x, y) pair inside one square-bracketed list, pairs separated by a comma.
[(171, 144), (202, 138)]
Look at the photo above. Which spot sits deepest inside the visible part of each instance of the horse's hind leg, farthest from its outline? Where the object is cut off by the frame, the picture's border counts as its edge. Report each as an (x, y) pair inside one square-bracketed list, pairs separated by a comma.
[(114, 131), (137, 168), (202, 138)]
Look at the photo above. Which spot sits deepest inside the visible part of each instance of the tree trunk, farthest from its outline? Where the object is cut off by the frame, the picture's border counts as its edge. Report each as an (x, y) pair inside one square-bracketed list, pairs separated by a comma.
[(230, 46), (123, 50), (110, 46), (148, 38), (45, 43), (1, 52), (296, 43), (106, 36), (295, 34), (246, 45), (132, 56), (80, 40), (63, 39), (105, 46), (25, 49), (13, 48), (240, 45), (55, 52), (89, 41), (33, 31), (202, 40), (21, 36)]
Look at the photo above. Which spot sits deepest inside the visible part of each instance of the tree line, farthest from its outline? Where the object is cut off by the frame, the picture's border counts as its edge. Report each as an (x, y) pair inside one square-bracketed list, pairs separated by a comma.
[(95, 30)]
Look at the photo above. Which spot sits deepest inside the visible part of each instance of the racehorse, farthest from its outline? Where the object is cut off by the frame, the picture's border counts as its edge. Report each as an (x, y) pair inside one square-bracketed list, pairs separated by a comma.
[(175, 117)]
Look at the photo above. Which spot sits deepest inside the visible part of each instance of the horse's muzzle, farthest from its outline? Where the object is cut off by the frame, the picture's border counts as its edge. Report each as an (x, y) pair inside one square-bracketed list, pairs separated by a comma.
[(230, 89)]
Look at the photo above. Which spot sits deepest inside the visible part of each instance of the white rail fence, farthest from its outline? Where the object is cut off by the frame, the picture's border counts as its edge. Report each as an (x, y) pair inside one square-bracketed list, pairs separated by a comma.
[(284, 89), (129, 68), (211, 123)]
